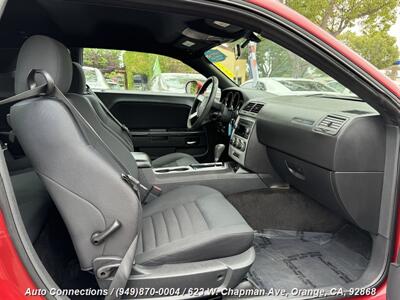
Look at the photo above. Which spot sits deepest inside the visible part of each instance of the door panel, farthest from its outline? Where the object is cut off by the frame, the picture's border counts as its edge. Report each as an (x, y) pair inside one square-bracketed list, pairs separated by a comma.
[(148, 115), (157, 122)]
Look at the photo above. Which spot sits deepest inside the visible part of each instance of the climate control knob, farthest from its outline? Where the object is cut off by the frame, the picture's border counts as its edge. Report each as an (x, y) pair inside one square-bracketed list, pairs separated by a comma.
[(240, 143), (236, 143)]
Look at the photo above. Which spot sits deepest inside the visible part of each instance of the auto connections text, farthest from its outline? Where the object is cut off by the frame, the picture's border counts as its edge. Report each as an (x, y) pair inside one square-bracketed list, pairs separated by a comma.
[(202, 292)]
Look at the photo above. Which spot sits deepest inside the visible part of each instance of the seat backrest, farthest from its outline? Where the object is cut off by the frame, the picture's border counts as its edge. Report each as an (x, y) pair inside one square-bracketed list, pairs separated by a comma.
[(83, 180), (78, 86)]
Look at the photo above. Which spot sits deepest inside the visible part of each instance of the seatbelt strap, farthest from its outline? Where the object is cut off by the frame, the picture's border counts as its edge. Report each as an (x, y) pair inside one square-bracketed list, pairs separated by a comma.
[(32, 93), (123, 272), (108, 112), (126, 176)]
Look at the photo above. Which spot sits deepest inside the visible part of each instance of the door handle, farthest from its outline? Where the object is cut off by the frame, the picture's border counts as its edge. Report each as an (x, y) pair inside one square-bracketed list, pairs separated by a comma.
[(191, 142), (295, 171)]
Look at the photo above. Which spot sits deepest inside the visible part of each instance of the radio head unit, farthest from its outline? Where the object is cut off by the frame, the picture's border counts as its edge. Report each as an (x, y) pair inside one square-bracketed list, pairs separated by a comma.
[(243, 128)]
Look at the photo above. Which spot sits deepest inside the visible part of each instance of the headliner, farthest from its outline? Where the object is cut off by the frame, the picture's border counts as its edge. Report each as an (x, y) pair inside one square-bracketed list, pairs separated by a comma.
[(83, 24)]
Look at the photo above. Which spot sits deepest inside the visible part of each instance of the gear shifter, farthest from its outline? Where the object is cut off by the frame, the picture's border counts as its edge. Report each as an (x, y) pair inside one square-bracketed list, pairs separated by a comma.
[(218, 152)]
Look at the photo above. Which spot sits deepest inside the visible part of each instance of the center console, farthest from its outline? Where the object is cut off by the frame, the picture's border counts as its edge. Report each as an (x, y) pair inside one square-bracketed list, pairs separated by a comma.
[(221, 176), (239, 142), (250, 169), (244, 146), (185, 170)]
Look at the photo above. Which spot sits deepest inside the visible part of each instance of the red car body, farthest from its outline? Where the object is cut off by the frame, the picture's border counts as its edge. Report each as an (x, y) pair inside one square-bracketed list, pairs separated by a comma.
[(15, 280)]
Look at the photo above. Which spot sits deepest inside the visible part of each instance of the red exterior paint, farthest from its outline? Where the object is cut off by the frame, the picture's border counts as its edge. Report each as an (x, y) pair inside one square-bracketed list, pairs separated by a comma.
[(301, 21), (14, 279), (298, 19)]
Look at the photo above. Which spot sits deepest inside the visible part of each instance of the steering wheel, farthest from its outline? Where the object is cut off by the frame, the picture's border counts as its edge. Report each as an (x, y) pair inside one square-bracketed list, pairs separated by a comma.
[(202, 104)]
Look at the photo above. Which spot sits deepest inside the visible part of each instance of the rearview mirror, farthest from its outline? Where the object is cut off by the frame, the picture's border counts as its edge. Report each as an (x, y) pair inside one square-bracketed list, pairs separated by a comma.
[(193, 87), (238, 51)]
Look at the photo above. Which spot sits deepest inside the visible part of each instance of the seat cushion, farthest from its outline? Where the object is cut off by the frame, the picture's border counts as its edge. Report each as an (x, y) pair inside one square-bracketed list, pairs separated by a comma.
[(189, 224), (174, 160)]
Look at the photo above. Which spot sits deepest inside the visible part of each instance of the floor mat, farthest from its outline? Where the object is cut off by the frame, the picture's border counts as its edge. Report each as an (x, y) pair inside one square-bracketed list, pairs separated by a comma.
[(308, 260)]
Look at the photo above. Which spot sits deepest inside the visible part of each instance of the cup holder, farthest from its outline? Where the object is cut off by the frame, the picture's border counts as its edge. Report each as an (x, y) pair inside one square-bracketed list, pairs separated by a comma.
[(181, 169)]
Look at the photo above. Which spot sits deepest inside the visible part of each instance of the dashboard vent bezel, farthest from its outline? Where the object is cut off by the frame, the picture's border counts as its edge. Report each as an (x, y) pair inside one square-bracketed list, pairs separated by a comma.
[(331, 124), (257, 108), (249, 106)]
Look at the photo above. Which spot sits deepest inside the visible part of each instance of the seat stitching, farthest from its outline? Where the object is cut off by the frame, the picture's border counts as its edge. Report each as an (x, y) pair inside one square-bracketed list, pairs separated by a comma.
[(177, 220), (187, 247), (190, 219), (103, 123), (166, 226), (80, 197), (72, 192), (154, 231), (140, 241), (201, 213)]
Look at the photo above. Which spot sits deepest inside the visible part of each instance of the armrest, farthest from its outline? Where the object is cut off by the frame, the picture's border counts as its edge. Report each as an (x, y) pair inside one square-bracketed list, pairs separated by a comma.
[(142, 159)]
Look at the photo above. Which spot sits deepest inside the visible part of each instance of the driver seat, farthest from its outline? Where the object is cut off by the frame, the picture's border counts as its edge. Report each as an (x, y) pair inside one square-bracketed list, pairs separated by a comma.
[(78, 86)]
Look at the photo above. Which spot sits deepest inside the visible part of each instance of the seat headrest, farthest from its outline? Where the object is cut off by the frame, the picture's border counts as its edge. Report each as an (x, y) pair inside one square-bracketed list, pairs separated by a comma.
[(42, 52), (78, 84)]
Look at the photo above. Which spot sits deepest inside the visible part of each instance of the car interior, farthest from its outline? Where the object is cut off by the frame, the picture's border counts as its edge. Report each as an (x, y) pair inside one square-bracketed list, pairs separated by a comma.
[(228, 188)]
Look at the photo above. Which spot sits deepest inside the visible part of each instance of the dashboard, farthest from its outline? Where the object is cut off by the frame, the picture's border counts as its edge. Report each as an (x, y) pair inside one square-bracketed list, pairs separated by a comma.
[(332, 150)]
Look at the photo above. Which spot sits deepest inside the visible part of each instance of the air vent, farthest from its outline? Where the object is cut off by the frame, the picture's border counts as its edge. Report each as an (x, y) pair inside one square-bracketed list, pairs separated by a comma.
[(331, 124), (249, 106), (256, 108)]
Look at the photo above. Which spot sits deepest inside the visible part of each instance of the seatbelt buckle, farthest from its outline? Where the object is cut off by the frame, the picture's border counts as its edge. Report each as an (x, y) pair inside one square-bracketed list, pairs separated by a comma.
[(133, 182), (154, 192), (135, 185)]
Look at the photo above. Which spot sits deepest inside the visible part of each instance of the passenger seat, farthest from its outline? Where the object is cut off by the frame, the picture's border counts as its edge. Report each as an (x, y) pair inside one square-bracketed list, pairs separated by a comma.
[(188, 237), (78, 86)]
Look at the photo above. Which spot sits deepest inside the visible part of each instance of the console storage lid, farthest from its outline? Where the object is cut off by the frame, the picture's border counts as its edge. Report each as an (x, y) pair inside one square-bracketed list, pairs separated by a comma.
[(142, 159)]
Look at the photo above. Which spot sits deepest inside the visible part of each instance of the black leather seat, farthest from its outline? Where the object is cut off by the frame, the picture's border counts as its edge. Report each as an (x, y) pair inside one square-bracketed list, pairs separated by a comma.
[(193, 227), (78, 86)]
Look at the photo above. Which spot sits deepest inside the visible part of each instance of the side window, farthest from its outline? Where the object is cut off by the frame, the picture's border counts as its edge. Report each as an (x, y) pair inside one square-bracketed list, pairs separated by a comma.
[(136, 71)]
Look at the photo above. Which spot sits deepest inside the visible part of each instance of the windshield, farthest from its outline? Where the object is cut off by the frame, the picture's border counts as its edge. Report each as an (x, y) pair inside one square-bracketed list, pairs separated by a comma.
[(268, 67), (305, 86)]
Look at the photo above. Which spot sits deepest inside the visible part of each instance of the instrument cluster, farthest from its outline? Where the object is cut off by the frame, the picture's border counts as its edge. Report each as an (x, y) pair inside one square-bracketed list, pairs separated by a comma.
[(232, 100)]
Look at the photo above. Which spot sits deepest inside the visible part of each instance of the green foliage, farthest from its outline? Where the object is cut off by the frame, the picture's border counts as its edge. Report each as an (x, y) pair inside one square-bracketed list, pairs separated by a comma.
[(379, 48), (108, 61), (142, 63), (103, 59), (137, 63), (373, 18), (336, 16)]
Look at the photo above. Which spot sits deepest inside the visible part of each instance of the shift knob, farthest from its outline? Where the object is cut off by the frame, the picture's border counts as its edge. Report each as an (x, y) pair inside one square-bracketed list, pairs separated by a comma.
[(218, 151)]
